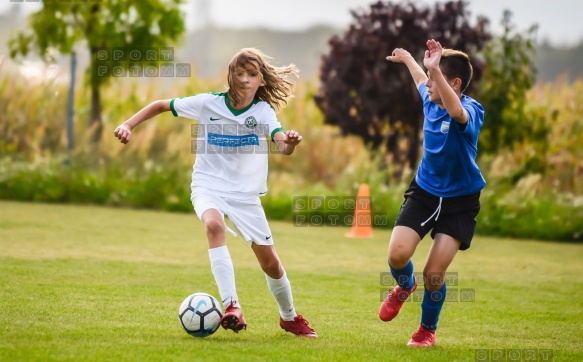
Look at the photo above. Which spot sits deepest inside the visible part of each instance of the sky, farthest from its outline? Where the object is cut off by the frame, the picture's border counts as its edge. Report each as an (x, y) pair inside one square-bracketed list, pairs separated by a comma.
[(559, 21)]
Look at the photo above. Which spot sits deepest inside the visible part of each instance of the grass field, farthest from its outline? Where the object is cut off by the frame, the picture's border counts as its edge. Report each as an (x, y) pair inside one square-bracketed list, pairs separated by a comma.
[(99, 284)]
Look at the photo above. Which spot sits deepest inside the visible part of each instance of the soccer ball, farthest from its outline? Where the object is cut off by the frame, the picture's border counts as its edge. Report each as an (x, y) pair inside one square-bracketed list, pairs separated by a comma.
[(200, 314)]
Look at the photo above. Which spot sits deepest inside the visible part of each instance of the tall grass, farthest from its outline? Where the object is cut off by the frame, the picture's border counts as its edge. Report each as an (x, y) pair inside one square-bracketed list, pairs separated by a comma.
[(562, 105), (533, 191)]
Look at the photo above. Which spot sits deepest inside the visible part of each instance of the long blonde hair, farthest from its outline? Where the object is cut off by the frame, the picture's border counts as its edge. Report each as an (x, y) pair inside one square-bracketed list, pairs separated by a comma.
[(276, 89)]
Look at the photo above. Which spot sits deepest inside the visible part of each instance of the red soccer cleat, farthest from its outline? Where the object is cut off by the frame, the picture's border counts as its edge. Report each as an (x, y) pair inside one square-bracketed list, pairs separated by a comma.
[(394, 301), (422, 338), (233, 319), (299, 326)]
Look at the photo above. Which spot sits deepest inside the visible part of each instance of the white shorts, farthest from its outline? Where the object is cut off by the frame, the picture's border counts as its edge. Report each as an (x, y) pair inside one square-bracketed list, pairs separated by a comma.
[(248, 216)]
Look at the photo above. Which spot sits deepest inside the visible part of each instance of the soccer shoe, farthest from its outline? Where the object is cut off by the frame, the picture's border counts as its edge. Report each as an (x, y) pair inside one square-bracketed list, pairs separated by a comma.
[(233, 319), (299, 326), (394, 301), (422, 338)]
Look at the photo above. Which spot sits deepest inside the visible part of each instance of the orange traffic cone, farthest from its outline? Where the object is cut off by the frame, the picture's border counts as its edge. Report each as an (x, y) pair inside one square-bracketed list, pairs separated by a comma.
[(362, 222)]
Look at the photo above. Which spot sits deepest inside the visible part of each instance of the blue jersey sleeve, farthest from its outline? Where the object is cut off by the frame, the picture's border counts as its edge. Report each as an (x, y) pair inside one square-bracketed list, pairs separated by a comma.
[(475, 118), (424, 93)]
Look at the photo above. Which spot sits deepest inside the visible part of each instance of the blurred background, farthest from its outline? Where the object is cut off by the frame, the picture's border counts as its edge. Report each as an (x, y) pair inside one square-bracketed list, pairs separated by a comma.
[(298, 33), (359, 115)]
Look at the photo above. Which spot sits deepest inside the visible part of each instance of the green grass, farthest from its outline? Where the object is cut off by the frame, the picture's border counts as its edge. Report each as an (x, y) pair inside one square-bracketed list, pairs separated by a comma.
[(84, 283)]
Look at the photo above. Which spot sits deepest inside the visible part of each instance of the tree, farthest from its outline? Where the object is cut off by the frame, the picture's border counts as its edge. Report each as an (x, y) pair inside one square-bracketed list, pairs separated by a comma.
[(364, 94), (115, 24), (510, 72)]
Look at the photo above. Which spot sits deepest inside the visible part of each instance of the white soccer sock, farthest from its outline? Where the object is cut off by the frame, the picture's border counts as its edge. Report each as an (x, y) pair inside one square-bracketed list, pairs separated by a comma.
[(222, 268), (281, 290)]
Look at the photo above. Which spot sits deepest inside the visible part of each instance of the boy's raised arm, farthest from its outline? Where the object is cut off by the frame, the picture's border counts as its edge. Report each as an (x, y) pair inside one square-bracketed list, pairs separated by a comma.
[(400, 55), (124, 131), (449, 98)]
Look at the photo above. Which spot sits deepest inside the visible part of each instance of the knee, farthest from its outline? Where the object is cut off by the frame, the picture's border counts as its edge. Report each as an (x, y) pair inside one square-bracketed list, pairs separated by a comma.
[(398, 257), (272, 268), (433, 279), (214, 228)]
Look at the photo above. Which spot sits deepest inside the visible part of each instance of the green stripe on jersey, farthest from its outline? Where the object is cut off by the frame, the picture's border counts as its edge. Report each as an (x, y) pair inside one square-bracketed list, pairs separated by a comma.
[(237, 112), (172, 108), (280, 129)]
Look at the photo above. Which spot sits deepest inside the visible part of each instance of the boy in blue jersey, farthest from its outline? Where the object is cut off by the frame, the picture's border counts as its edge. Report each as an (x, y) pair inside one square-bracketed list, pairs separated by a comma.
[(230, 173), (444, 196)]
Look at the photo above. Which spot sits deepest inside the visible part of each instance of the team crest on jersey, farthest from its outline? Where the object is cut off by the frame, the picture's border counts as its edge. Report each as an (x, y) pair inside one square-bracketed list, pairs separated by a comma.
[(444, 127), (250, 122)]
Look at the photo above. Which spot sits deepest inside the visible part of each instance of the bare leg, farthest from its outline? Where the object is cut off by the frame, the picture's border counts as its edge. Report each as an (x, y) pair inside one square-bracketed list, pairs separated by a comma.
[(404, 241), (441, 254), (215, 228)]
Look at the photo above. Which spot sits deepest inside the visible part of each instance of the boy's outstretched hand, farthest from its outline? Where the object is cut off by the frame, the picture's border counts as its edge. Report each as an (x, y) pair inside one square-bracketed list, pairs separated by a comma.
[(399, 55), (123, 133), (432, 54)]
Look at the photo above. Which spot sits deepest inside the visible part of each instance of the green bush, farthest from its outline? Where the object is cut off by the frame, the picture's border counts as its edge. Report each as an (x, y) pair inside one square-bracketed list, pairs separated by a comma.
[(550, 217), (506, 211)]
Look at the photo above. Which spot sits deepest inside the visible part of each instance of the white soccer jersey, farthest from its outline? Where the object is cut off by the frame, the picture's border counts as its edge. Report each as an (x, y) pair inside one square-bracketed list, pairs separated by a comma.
[(231, 145)]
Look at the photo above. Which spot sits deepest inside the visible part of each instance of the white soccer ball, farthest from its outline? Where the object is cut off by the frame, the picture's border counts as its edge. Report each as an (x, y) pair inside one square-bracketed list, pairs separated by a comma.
[(200, 314)]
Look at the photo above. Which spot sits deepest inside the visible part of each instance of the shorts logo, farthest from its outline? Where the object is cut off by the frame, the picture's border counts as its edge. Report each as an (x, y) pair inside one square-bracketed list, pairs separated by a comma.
[(444, 127), (250, 122)]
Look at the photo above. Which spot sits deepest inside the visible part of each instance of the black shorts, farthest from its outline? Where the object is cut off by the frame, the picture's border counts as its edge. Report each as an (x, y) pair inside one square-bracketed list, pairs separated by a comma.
[(456, 218)]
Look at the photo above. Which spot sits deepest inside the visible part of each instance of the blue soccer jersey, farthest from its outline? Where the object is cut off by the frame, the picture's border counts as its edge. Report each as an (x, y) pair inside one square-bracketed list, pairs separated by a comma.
[(448, 167)]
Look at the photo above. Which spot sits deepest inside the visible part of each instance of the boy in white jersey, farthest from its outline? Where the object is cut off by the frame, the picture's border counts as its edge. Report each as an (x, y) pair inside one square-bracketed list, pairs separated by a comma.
[(444, 196), (234, 132)]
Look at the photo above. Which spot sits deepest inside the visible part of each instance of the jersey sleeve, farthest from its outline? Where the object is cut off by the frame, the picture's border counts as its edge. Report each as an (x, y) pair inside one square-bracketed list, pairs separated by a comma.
[(187, 107), (475, 118), (271, 123), (424, 93)]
